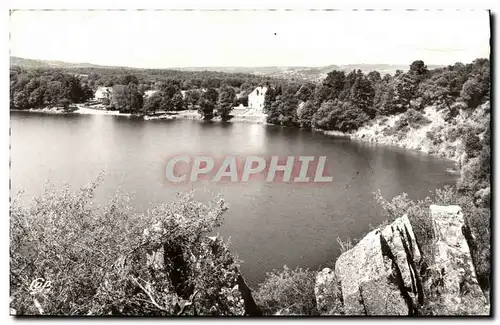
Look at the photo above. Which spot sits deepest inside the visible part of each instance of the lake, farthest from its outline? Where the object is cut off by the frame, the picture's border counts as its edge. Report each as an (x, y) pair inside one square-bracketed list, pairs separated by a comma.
[(269, 224)]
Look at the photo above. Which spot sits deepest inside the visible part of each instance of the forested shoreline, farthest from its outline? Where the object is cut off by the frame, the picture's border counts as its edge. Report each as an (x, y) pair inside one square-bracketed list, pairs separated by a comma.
[(37, 88), (344, 102)]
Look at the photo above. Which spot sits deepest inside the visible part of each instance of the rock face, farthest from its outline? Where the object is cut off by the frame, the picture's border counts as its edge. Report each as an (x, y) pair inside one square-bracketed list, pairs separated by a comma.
[(381, 275), (454, 277), (155, 259), (370, 279), (401, 240)]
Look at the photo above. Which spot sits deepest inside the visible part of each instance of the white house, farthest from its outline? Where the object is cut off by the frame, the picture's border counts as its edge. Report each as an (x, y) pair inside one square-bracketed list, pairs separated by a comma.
[(256, 98), (149, 93), (103, 93)]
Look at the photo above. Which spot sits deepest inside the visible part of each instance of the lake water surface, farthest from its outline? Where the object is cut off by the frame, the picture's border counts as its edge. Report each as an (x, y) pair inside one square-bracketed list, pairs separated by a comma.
[(270, 224)]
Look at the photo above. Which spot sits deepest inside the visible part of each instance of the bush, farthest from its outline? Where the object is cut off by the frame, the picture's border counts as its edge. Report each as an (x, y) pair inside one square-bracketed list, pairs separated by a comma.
[(472, 144), (71, 257), (453, 111), (289, 292), (411, 118)]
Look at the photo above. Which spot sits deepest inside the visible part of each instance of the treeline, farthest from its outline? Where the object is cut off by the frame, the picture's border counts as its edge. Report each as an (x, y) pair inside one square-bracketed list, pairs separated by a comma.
[(168, 96), (40, 88), (345, 102), (109, 77), (208, 91)]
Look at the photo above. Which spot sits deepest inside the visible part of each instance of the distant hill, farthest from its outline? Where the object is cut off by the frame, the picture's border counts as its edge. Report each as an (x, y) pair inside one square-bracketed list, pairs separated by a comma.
[(31, 63), (308, 73), (287, 72)]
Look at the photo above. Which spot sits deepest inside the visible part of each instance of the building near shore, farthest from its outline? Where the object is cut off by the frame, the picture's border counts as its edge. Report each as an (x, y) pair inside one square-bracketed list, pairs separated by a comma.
[(103, 93), (149, 93), (256, 98)]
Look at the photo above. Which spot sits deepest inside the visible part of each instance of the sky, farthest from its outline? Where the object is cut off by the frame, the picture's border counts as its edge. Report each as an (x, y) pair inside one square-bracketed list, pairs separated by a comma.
[(165, 39)]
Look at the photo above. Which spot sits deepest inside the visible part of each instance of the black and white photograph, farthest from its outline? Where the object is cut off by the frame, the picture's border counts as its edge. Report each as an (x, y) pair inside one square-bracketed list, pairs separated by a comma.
[(250, 163)]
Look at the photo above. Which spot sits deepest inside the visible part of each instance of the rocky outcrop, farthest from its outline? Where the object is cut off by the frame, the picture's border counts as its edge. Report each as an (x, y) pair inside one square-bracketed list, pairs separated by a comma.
[(453, 277), (156, 257), (403, 245), (384, 273), (370, 279)]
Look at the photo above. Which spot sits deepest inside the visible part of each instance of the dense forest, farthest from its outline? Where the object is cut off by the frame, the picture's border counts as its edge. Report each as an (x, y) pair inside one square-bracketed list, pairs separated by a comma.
[(346, 102), (47, 87)]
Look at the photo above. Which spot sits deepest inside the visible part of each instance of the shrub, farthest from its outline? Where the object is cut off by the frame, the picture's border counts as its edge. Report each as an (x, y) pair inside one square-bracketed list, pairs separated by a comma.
[(453, 111), (288, 292), (86, 259), (452, 134), (411, 118), (472, 144), (418, 214)]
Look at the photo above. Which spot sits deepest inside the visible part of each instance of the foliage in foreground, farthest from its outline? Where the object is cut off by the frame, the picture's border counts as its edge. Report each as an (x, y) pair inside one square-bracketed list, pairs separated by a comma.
[(288, 292), (69, 256)]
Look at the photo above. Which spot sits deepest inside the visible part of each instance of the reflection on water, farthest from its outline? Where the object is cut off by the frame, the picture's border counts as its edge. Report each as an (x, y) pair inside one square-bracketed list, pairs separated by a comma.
[(270, 224)]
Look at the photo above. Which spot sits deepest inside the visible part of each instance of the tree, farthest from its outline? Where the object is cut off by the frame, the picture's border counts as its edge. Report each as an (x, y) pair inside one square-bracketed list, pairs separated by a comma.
[(361, 93), (192, 97), (152, 103), (305, 113), (127, 98), (226, 102), (405, 91), (36, 97), (270, 97), (21, 100), (374, 77), (320, 118), (207, 103), (120, 97), (211, 94), (129, 78), (178, 102), (476, 90), (305, 92), (206, 109), (418, 68), (136, 98), (339, 115), (331, 87)]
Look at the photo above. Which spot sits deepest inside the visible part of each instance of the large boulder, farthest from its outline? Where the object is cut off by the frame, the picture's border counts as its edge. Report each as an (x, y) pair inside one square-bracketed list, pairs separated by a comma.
[(370, 279), (403, 245), (453, 277)]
